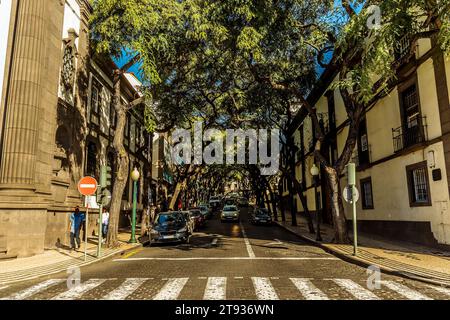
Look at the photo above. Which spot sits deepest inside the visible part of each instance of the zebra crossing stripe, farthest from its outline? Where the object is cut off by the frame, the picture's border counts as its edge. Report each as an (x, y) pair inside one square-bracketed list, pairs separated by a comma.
[(77, 291), (264, 289), (355, 289), (308, 290), (26, 293), (4, 287), (405, 291), (129, 286), (216, 289), (441, 289), (171, 289)]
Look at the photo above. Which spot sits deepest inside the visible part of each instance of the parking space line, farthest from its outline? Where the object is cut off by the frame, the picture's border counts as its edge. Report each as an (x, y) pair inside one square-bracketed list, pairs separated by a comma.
[(251, 254)]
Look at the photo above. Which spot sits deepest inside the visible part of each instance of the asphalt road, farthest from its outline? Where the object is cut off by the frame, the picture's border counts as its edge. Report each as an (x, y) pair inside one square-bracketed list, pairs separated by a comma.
[(225, 261)]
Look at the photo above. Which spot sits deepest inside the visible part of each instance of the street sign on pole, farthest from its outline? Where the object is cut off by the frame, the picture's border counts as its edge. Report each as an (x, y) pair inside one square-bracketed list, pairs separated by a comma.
[(351, 195), (87, 186)]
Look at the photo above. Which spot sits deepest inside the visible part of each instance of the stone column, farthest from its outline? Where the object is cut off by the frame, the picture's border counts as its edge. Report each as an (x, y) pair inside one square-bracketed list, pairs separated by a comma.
[(20, 134)]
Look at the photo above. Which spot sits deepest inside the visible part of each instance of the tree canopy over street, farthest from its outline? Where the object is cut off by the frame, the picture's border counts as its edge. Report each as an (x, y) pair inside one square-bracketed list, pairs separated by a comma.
[(254, 64)]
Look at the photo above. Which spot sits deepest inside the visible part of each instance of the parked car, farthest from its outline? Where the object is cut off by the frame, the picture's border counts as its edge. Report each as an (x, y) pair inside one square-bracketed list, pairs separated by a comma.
[(215, 205), (205, 210), (199, 219), (230, 213), (229, 202), (261, 216), (169, 227), (190, 221)]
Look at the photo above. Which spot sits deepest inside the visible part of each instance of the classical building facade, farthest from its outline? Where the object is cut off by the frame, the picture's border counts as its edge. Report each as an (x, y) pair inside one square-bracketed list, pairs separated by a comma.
[(56, 122), (402, 153)]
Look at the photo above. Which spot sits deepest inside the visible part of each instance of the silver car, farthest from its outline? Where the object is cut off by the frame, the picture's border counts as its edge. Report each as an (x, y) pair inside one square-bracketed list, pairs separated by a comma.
[(230, 213)]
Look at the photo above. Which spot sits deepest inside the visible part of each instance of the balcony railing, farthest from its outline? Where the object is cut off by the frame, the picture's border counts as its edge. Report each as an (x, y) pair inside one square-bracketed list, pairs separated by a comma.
[(405, 137)]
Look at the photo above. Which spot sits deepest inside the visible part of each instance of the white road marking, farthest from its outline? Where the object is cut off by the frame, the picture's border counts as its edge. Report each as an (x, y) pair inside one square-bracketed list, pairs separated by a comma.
[(441, 289), (4, 287), (308, 289), (355, 289), (405, 291), (225, 258), (214, 242), (129, 286), (216, 289), (25, 294), (77, 291), (264, 289), (171, 289), (251, 254)]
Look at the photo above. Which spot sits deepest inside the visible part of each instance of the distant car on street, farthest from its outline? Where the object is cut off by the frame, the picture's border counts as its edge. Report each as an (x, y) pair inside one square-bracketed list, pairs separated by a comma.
[(169, 227), (199, 219), (230, 213), (229, 202), (205, 211), (215, 205), (261, 216)]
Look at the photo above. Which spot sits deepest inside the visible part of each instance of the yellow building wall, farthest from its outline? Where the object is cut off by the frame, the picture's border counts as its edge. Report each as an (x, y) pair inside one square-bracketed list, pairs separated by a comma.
[(389, 181)]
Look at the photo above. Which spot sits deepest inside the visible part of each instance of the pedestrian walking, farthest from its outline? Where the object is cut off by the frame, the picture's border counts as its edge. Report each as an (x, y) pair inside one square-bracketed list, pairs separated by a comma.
[(180, 205), (105, 223), (76, 220)]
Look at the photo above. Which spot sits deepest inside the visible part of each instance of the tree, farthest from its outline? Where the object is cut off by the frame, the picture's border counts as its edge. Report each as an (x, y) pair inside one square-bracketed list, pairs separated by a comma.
[(144, 31)]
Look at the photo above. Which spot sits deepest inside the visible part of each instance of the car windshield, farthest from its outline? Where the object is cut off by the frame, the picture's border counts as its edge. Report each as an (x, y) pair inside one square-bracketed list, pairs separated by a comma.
[(262, 212), (230, 208), (203, 208), (170, 218), (195, 213)]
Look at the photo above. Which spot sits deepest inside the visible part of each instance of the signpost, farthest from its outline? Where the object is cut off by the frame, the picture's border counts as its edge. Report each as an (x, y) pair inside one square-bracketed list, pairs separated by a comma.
[(351, 195), (87, 187), (103, 199)]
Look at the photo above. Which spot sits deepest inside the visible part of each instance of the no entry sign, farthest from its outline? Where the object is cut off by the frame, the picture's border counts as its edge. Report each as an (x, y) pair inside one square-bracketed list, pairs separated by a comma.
[(87, 186)]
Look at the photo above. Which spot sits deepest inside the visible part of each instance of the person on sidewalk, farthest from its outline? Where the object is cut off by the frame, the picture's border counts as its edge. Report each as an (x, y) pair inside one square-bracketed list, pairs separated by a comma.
[(105, 224), (76, 219)]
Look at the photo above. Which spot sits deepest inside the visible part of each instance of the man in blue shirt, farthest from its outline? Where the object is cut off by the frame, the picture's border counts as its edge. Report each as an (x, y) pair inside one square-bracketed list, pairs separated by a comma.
[(76, 219)]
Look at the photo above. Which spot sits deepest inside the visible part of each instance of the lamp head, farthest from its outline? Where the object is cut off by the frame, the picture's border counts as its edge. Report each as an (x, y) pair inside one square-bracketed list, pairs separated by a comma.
[(314, 170), (135, 175)]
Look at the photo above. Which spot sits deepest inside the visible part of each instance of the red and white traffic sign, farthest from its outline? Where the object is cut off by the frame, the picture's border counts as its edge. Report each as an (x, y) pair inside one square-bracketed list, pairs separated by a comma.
[(87, 186)]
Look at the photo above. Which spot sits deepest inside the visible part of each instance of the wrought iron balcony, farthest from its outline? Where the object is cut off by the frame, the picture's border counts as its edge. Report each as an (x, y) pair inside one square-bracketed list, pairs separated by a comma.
[(410, 135)]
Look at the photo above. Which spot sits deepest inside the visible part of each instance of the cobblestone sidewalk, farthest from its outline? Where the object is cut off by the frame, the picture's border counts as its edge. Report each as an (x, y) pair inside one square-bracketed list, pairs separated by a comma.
[(58, 260), (401, 258)]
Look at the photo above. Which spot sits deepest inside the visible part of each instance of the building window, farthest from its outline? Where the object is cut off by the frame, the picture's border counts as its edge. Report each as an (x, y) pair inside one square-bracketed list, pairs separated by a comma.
[(96, 98), (91, 163), (367, 195), (418, 185)]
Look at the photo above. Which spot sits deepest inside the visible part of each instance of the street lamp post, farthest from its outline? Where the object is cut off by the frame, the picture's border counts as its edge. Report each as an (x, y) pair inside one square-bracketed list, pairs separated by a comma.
[(315, 173), (135, 175)]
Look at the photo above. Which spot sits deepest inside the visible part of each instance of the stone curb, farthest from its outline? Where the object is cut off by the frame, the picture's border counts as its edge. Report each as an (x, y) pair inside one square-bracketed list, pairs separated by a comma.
[(83, 264), (363, 263)]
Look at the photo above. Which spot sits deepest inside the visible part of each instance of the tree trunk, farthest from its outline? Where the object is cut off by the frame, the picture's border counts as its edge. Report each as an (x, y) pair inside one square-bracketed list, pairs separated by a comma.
[(337, 207), (122, 162)]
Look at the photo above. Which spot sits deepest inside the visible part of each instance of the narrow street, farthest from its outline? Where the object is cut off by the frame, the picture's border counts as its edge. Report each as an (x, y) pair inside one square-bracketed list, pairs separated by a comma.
[(230, 261)]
